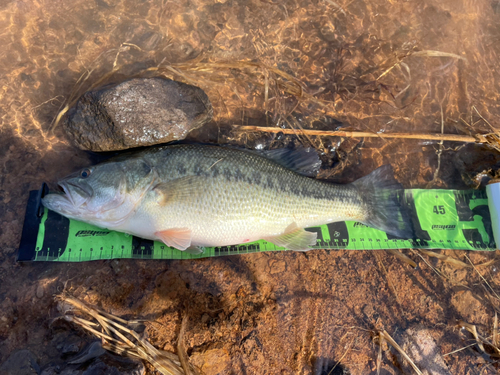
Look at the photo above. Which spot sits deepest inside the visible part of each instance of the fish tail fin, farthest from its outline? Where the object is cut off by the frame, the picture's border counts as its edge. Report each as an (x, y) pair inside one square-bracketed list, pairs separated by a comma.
[(380, 191)]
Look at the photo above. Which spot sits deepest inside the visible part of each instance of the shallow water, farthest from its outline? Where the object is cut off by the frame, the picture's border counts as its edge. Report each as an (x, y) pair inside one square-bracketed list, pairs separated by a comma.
[(374, 66)]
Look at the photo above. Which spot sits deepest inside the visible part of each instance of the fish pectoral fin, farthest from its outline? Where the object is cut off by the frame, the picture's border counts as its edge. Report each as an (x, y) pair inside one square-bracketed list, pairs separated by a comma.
[(180, 189), (295, 238), (180, 238)]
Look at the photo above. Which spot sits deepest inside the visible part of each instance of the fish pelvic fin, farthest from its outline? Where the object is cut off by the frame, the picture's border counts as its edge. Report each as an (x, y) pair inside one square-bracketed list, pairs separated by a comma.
[(294, 238), (180, 238), (380, 192)]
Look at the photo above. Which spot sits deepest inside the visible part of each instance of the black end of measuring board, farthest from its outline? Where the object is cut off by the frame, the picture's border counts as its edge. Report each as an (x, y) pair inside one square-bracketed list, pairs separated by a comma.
[(32, 218)]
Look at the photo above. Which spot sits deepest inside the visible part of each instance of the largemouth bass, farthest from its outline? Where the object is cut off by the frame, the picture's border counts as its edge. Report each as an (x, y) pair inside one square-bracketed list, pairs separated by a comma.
[(192, 196)]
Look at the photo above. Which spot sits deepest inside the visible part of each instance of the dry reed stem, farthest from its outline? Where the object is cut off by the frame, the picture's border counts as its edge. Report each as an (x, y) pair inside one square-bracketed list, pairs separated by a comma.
[(136, 347), (357, 134)]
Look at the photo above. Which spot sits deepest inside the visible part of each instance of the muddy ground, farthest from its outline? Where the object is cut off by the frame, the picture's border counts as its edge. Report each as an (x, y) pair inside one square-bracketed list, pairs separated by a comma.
[(393, 66)]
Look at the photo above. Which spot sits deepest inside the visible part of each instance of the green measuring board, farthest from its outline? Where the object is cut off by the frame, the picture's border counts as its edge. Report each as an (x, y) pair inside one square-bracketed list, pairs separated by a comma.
[(441, 219)]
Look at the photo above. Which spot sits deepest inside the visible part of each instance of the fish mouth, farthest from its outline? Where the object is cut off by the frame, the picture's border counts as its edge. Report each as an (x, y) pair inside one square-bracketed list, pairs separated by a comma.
[(76, 195)]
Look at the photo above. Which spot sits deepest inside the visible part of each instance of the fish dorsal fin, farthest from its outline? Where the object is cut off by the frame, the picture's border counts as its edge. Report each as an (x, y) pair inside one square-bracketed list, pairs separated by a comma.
[(302, 160), (180, 189), (295, 238), (180, 238)]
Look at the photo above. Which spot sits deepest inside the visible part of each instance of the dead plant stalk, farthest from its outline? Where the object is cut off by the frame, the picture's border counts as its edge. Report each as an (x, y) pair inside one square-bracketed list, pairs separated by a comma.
[(359, 134)]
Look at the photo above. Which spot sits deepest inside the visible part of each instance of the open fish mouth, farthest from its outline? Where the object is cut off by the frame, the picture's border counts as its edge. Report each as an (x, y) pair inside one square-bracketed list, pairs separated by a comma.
[(76, 195)]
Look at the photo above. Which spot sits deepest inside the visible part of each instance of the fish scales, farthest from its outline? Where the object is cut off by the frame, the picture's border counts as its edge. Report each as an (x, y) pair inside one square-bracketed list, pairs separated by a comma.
[(243, 193), (198, 195)]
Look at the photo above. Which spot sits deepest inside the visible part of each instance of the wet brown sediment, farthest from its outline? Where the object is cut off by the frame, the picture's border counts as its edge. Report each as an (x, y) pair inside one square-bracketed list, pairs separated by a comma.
[(358, 62)]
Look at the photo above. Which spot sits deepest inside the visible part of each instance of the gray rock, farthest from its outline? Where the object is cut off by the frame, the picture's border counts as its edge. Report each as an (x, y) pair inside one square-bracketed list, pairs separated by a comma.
[(137, 112), (22, 362), (71, 348)]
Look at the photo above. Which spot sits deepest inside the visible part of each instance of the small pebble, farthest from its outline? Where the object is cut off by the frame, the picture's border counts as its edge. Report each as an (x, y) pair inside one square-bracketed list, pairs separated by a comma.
[(39, 291)]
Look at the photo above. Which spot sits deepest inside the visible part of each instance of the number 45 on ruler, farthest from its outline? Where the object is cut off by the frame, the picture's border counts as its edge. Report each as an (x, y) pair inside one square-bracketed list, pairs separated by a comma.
[(439, 210)]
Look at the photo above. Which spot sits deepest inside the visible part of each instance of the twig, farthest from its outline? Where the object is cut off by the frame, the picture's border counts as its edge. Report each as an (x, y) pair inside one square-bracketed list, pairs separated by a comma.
[(357, 134)]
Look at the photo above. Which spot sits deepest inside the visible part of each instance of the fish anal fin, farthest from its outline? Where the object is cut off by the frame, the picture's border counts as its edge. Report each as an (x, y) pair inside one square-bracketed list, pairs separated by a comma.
[(194, 250), (180, 238), (180, 189), (295, 238)]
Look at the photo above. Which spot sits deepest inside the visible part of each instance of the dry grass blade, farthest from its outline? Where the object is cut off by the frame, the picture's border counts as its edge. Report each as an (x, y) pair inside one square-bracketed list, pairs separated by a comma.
[(445, 258), (495, 330), (481, 340), (486, 264), (398, 254), (438, 272), (493, 129), (391, 341), (482, 277), (492, 140), (122, 340), (429, 53), (381, 342), (255, 72), (472, 329), (343, 356), (458, 350)]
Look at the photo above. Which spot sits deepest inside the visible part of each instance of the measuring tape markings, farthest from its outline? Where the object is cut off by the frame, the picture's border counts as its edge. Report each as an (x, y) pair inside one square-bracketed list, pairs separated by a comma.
[(441, 219)]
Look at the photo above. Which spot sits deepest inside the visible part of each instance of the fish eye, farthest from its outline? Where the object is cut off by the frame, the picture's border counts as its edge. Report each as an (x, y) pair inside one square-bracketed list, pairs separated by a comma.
[(85, 173)]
